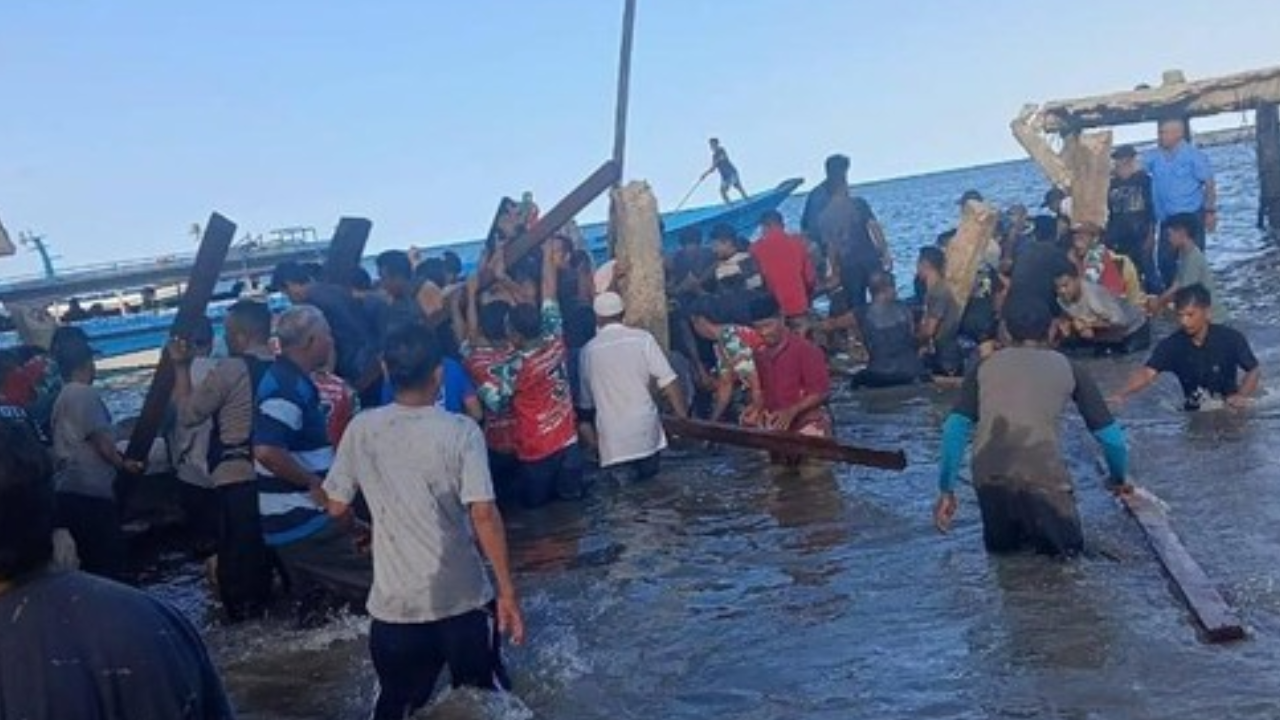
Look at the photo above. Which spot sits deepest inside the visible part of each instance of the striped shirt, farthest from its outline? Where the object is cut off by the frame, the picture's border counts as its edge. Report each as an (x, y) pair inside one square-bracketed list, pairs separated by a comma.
[(290, 416)]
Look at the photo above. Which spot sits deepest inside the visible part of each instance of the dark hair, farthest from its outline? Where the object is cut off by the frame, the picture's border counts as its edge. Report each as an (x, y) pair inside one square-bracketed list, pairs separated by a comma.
[(1193, 296), (71, 352), (452, 263), (771, 217), (934, 257), (492, 318), (881, 282), (314, 270), (837, 166), (705, 306), (411, 353), (691, 235), (944, 238), (394, 264), (251, 317), (360, 280), (1185, 222), (764, 307), (26, 502), (1063, 266), (724, 231), (431, 269), (1028, 320), (525, 320), (290, 273)]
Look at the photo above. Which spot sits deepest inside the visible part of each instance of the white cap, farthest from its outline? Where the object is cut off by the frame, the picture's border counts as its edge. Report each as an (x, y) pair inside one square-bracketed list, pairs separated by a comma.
[(608, 305)]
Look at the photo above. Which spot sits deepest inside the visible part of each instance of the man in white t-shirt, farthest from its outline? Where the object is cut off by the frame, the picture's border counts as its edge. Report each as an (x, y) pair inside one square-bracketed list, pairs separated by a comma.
[(619, 368), (425, 475)]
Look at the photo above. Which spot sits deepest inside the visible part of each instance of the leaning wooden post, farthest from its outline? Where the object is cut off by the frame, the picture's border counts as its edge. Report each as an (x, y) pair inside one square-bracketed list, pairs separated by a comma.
[(966, 250), (1088, 161), (639, 250), (1028, 130), (1267, 129)]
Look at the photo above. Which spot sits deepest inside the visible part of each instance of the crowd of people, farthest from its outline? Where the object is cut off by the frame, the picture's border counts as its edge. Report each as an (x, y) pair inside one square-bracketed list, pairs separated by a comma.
[(357, 447)]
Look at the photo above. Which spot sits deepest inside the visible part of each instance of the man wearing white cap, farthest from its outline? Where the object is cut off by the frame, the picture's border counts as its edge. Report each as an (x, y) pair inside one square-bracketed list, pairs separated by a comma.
[(619, 367)]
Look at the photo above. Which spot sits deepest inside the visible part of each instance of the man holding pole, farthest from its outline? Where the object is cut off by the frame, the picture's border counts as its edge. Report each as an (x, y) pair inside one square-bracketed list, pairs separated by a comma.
[(721, 163)]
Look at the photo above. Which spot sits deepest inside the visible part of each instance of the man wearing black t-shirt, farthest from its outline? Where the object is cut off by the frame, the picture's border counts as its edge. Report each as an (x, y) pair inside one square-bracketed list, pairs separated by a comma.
[(1206, 357), (1131, 220)]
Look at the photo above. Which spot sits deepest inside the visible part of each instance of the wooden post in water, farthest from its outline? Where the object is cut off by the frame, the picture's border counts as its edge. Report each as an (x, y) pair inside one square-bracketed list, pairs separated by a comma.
[(1088, 161), (1267, 128), (634, 217), (218, 234), (966, 249)]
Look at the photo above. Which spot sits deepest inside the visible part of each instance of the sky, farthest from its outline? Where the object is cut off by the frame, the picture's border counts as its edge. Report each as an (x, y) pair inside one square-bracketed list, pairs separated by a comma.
[(124, 122)]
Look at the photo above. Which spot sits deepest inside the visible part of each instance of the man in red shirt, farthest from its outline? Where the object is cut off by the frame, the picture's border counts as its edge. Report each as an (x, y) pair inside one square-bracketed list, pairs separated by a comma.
[(793, 376), (534, 384), (786, 266)]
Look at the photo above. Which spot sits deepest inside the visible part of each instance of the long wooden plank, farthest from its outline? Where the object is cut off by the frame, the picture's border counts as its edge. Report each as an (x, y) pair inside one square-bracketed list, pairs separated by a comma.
[(218, 234), (1218, 619), (966, 249), (346, 250), (575, 202), (784, 442)]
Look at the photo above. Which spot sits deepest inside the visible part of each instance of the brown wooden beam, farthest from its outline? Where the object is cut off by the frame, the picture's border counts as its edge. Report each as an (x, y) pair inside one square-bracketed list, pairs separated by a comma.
[(1213, 96), (785, 443), (346, 250)]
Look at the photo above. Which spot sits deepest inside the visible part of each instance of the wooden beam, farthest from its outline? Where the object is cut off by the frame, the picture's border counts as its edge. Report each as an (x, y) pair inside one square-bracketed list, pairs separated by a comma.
[(1028, 130), (1267, 128), (1213, 96), (1218, 620), (786, 443), (1088, 161), (639, 250), (218, 234), (965, 251), (624, 87), (346, 250), (575, 202)]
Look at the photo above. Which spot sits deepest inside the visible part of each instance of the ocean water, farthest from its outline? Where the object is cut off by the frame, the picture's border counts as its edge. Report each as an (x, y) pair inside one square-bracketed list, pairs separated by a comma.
[(725, 588)]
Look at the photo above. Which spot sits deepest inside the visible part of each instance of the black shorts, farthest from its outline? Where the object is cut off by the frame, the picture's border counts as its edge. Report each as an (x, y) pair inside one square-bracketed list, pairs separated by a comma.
[(408, 659), (94, 523), (244, 562), (557, 476), (1027, 516), (635, 470)]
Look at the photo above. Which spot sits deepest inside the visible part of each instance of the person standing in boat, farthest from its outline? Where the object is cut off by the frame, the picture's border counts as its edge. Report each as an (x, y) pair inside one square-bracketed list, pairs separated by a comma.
[(1011, 407), (721, 163), (224, 397), (425, 477)]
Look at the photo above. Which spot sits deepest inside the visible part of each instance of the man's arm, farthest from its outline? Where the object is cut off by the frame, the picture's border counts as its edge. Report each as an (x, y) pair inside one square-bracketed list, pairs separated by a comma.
[(957, 432), (817, 384), (551, 257), (342, 482), (1105, 429), (1139, 381), (273, 422), (476, 491)]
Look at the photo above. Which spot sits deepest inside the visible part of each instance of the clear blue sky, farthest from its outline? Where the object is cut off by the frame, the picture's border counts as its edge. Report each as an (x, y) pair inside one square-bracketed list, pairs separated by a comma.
[(124, 122)]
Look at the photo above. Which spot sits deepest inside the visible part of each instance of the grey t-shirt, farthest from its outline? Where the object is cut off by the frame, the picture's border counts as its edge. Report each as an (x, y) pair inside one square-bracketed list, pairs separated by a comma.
[(1193, 269), (941, 305), (419, 468), (78, 414)]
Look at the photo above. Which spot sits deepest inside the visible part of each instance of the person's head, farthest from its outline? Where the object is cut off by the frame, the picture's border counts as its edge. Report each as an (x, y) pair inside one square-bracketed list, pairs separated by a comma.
[(73, 354), (200, 336), (431, 269), (247, 325), (1194, 305), (837, 169), (360, 280), (305, 337), (1124, 162), (292, 279), (724, 241), (492, 317), (931, 263), (714, 143), (411, 357), (609, 308), (1028, 321), (1066, 281), (690, 237), (395, 273), (1084, 235), (1170, 132), (969, 196), (453, 263), (524, 323), (944, 238), (1053, 199), (1182, 230), (771, 220), (766, 318), (884, 290), (26, 503), (704, 317)]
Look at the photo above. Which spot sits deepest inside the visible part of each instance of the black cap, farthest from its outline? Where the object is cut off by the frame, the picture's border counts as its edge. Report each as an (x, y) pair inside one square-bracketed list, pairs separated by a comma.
[(289, 273), (1053, 196), (970, 195), (1124, 152)]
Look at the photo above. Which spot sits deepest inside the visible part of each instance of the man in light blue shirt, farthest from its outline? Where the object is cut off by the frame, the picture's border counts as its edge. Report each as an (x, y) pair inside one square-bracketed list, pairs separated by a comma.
[(1181, 185)]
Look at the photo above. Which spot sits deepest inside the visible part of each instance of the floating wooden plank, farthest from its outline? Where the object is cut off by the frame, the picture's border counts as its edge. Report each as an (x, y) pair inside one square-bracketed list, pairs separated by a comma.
[(1213, 96), (215, 243), (966, 249), (346, 250), (787, 443), (1218, 619)]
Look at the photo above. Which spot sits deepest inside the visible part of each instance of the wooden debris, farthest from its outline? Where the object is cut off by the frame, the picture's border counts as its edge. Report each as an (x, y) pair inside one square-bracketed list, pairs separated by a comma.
[(634, 215), (1268, 147), (1088, 162), (346, 250), (784, 443), (218, 234), (966, 250), (1219, 620), (1028, 130)]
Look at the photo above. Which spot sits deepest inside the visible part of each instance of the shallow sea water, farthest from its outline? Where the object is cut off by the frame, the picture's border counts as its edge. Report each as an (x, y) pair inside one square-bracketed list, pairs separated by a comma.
[(728, 589)]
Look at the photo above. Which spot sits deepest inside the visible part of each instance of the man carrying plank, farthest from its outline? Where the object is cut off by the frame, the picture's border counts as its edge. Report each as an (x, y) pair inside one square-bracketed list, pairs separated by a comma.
[(794, 380), (1015, 398)]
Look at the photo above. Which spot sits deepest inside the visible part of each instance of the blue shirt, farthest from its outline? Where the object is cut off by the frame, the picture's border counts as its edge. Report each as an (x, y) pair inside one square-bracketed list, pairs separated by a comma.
[(289, 416), (454, 390), (1178, 179)]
